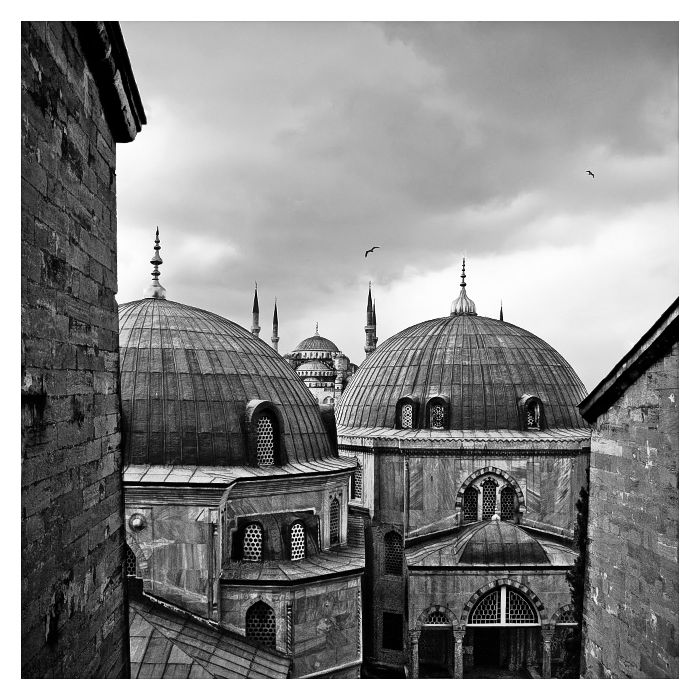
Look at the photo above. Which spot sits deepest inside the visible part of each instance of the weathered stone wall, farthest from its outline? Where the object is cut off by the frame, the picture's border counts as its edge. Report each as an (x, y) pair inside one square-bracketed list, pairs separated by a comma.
[(631, 604), (73, 614)]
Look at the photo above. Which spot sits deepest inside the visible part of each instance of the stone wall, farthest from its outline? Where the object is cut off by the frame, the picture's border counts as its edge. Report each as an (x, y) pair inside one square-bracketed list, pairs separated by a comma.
[(631, 606), (73, 600)]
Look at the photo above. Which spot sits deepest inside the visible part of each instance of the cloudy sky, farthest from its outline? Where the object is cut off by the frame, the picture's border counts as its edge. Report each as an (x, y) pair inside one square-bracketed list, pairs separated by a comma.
[(279, 152)]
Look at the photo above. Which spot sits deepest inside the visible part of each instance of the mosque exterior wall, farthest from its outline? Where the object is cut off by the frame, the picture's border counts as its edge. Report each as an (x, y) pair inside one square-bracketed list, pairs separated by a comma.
[(73, 599), (631, 606)]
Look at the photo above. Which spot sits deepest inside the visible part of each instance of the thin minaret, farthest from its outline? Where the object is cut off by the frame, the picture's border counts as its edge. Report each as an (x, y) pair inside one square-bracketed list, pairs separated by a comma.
[(371, 327), (275, 329), (255, 328), (501, 316), (155, 290)]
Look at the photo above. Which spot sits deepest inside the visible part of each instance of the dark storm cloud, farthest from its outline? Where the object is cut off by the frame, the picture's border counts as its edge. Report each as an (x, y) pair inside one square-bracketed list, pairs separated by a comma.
[(279, 152)]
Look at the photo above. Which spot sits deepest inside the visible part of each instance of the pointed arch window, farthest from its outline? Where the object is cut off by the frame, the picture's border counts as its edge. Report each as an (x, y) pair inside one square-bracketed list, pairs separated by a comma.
[(393, 554), (260, 625), (504, 606), (335, 521), (470, 504), (298, 541), (252, 547), (488, 505), (532, 412)]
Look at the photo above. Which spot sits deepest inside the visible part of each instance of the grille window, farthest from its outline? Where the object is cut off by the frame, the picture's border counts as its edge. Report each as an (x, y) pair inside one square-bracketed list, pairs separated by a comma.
[(488, 506), (335, 522), (298, 542), (507, 503), (566, 617), (407, 415), (436, 618), (260, 624), (533, 415), (488, 609), (393, 554), (471, 504), (266, 441), (252, 542), (131, 566), (357, 483), (518, 610), (437, 416)]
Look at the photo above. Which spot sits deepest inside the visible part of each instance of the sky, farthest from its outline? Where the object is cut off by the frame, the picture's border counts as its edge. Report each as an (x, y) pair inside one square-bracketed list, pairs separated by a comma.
[(280, 152)]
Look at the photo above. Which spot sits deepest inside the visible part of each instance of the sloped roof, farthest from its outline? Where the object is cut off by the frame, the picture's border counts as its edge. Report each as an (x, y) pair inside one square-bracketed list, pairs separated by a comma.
[(167, 644)]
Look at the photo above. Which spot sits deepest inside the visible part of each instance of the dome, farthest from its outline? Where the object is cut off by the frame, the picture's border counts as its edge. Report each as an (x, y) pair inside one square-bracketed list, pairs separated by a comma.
[(499, 543), (316, 343), (316, 367), (481, 366), (187, 376)]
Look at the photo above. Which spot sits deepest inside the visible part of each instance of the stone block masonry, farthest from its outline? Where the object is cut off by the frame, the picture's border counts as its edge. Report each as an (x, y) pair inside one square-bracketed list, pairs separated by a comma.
[(72, 533)]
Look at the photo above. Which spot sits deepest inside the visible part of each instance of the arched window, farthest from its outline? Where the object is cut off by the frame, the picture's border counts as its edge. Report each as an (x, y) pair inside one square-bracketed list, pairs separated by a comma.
[(132, 568), (265, 439), (253, 542), (507, 503), (488, 504), (357, 482), (435, 617), (533, 414), (470, 504), (437, 415), (335, 522), (406, 415), (298, 541), (393, 553), (260, 624), (503, 606)]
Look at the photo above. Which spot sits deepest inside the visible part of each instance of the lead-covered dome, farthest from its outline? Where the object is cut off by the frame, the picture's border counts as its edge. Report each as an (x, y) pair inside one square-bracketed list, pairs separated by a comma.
[(481, 370), (316, 343), (187, 377)]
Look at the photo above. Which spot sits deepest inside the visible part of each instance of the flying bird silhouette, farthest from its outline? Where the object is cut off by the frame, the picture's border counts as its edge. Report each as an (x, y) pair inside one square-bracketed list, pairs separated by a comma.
[(371, 250), (590, 173)]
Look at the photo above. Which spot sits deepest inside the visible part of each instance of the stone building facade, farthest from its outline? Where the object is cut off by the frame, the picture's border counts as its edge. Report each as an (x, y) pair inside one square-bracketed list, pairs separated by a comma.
[(631, 587), (79, 99)]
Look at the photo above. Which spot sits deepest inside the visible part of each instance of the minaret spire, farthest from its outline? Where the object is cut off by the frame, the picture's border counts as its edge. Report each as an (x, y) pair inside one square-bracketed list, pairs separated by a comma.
[(501, 315), (275, 329), (155, 290), (371, 327), (255, 328), (463, 305)]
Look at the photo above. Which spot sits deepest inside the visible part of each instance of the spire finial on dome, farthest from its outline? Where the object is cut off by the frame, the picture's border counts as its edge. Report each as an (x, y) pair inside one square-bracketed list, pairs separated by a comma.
[(316, 327), (463, 305), (155, 290)]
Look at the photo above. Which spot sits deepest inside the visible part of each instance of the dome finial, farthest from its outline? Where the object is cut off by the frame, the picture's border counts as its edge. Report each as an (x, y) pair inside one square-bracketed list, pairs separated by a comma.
[(155, 290), (316, 327), (463, 305)]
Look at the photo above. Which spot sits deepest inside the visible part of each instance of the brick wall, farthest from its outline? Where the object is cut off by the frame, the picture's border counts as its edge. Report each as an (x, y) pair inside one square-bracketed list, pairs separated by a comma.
[(73, 616), (631, 606)]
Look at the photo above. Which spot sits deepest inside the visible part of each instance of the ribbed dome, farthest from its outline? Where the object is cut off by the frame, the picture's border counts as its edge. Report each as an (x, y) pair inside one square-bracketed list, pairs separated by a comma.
[(314, 366), (316, 343), (499, 543), (483, 367), (186, 378)]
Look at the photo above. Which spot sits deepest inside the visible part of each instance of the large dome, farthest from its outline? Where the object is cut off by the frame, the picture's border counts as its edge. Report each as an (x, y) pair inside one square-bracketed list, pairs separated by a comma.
[(187, 376), (481, 366), (316, 343)]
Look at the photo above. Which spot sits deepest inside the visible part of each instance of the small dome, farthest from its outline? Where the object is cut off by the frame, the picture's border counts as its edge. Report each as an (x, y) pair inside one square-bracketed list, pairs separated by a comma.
[(187, 376), (316, 367), (500, 543)]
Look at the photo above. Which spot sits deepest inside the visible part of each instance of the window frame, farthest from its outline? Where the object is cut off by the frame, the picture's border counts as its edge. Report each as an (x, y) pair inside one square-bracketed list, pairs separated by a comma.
[(437, 401), (302, 525), (403, 401)]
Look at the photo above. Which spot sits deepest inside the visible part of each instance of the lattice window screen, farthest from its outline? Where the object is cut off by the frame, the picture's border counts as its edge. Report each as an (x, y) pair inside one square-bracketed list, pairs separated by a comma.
[(393, 554), (298, 542), (357, 483), (566, 617), (266, 442), (407, 415), (436, 618), (471, 504), (507, 503), (533, 415), (488, 507), (132, 568), (518, 610), (437, 415), (488, 609), (260, 624), (252, 542), (335, 522)]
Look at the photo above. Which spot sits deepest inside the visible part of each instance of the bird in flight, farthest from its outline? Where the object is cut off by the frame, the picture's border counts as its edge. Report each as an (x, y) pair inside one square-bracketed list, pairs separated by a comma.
[(590, 173), (371, 250)]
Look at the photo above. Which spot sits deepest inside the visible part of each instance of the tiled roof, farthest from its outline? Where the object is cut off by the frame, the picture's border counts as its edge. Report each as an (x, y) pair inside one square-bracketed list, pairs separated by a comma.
[(168, 644), (186, 377), (482, 366)]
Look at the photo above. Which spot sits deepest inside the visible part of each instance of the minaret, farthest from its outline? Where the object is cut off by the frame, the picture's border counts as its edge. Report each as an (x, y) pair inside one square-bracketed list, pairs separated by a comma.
[(155, 290), (371, 327), (275, 329), (255, 328), (463, 305), (501, 315)]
